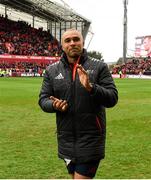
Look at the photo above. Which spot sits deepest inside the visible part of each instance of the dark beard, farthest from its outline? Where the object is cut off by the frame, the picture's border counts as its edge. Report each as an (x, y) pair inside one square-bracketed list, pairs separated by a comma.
[(75, 55)]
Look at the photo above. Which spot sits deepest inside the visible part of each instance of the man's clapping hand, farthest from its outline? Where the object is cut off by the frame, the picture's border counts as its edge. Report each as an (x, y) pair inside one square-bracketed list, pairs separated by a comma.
[(59, 104)]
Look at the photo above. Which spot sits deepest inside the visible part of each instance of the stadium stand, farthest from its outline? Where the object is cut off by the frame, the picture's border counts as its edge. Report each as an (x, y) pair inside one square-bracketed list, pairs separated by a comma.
[(19, 38), (26, 50), (139, 66)]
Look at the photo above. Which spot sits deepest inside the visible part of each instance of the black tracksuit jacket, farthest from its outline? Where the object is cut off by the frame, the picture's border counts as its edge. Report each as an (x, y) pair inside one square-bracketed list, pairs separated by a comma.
[(81, 130)]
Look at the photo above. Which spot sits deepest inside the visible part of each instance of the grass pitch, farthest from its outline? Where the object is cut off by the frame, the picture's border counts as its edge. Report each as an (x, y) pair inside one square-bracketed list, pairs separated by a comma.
[(28, 147)]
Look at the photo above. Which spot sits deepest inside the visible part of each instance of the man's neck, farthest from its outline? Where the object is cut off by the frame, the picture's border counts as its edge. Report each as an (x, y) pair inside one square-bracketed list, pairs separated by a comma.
[(72, 60)]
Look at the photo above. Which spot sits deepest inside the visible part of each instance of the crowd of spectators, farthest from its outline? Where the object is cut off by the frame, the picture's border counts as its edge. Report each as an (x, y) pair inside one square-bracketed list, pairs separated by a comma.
[(19, 38), (134, 66), (22, 68)]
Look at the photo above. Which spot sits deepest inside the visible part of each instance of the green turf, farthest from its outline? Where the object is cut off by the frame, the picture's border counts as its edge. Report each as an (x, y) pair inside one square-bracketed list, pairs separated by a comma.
[(28, 147)]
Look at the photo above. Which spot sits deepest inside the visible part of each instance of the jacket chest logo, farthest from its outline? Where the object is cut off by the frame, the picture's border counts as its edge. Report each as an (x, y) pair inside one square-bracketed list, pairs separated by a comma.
[(59, 76)]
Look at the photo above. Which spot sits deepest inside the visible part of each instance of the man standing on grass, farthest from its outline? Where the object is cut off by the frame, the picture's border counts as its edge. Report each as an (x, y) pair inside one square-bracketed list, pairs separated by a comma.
[(78, 89)]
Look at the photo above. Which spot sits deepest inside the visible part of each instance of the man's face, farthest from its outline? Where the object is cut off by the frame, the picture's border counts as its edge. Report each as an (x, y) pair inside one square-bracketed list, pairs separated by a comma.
[(72, 43)]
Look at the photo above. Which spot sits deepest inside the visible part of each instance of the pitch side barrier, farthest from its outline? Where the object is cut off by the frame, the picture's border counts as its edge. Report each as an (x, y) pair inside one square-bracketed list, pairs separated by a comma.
[(131, 76), (9, 61)]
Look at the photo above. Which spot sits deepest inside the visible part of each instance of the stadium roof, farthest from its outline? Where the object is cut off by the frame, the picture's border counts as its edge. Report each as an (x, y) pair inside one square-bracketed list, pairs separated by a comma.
[(46, 9)]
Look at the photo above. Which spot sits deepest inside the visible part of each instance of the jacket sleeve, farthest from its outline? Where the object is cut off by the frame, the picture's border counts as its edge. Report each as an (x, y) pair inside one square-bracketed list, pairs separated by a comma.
[(104, 91), (45, 93)]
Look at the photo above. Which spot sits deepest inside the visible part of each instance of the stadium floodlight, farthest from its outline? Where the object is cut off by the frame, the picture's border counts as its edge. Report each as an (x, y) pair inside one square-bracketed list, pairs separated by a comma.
[(125, 2)]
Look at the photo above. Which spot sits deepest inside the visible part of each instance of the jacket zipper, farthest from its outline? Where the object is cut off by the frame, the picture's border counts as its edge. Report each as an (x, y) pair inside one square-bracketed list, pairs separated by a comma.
[(74, 120)]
